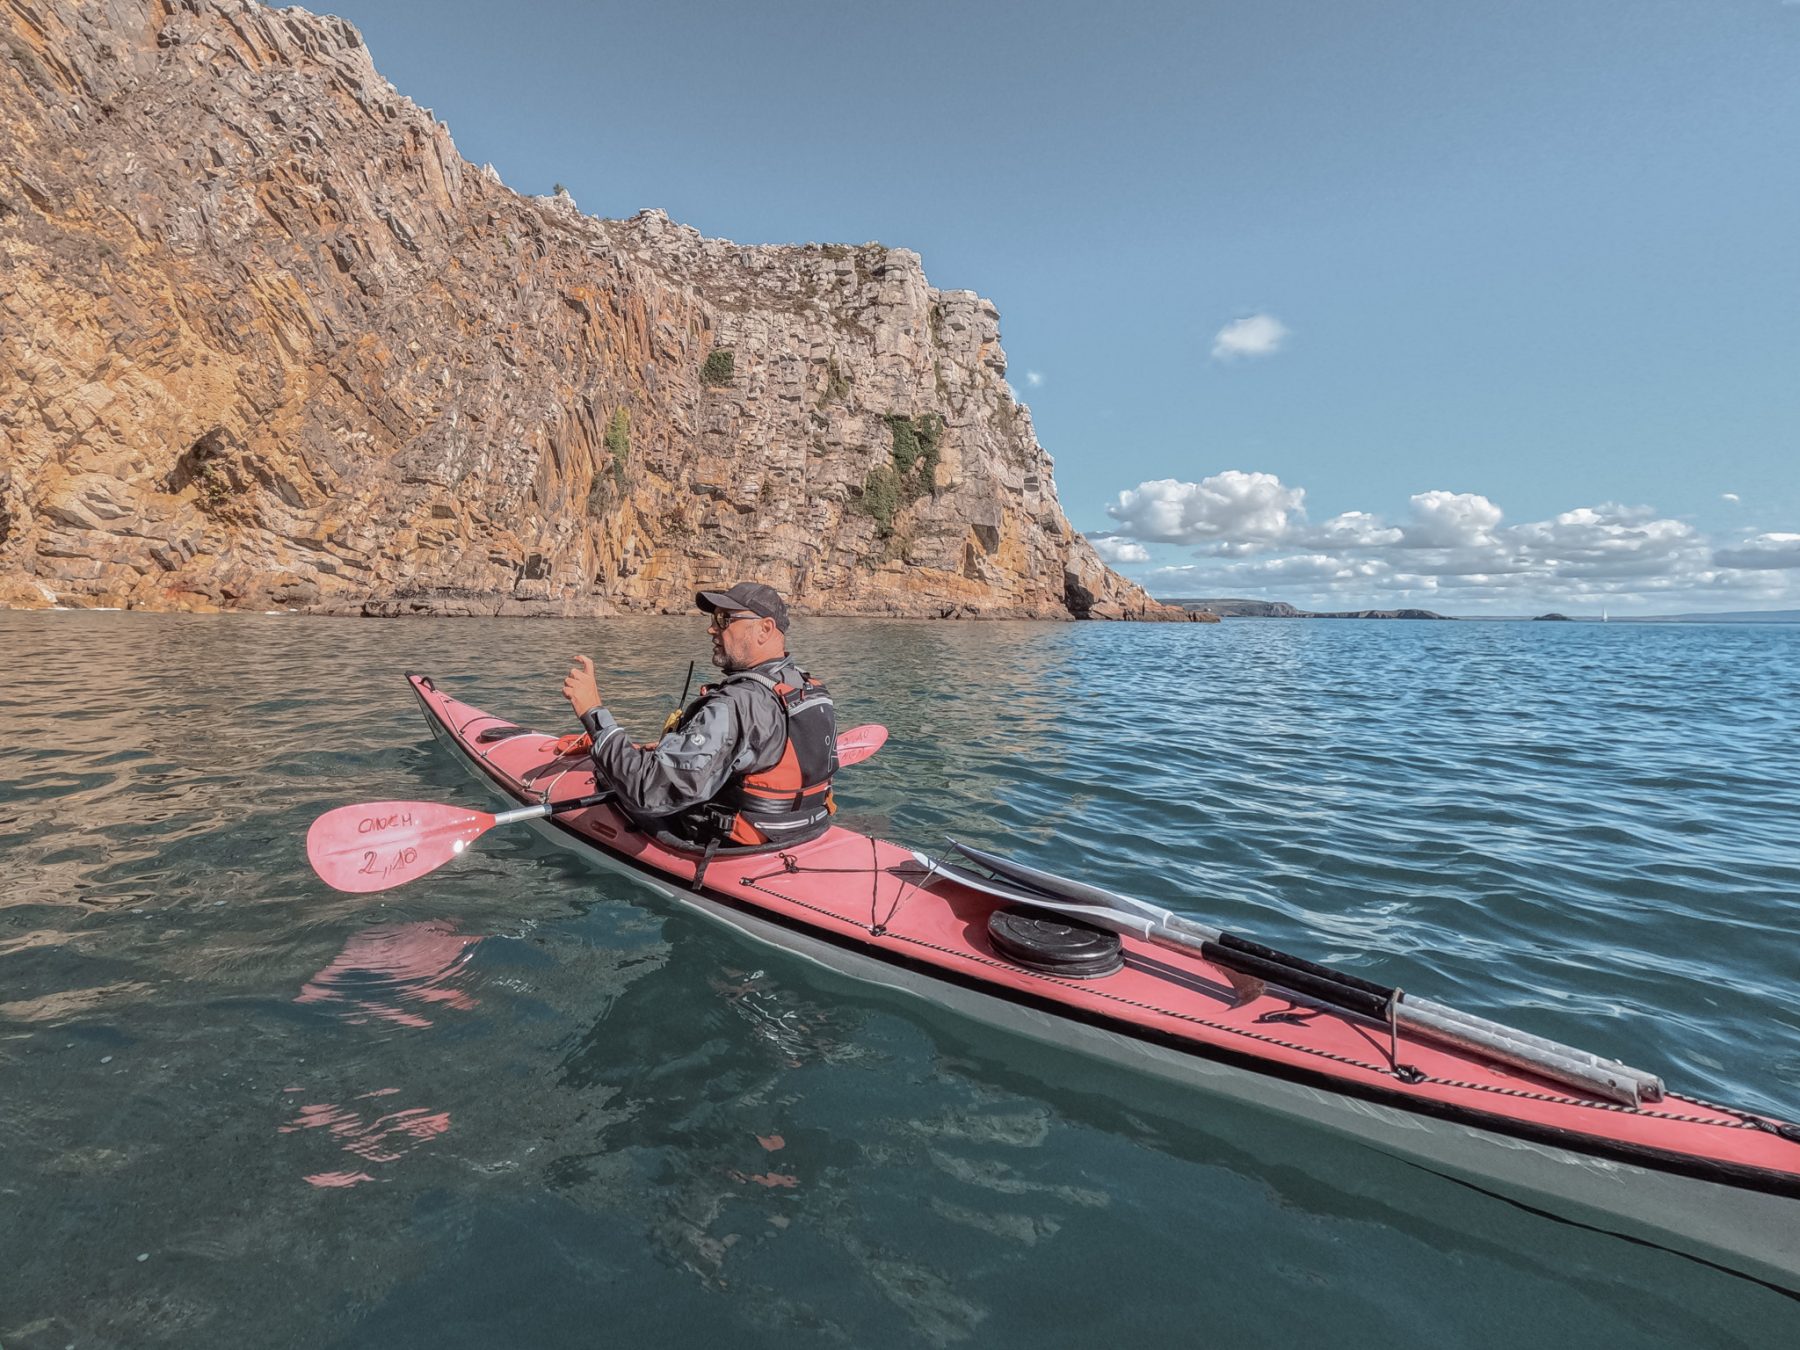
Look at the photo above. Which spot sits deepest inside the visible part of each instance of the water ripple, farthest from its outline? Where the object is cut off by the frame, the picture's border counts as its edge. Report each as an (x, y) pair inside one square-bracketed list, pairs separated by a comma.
[(1593, 832)]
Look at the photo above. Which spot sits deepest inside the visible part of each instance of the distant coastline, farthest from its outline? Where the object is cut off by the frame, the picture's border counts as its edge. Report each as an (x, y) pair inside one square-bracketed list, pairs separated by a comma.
[(1280, 609), (1241, 608), (1734, 616)]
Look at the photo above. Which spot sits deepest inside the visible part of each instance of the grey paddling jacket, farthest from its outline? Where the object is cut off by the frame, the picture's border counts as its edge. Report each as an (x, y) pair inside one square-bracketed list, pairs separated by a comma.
[(708, 782)]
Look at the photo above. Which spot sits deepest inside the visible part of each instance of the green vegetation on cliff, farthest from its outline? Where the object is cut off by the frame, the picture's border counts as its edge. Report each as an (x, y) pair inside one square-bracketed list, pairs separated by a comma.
[(720, 367), (609, 487), (911, 470)]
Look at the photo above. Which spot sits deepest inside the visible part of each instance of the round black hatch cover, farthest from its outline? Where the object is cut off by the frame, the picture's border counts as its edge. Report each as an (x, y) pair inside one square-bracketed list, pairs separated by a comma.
[(1053, 946)]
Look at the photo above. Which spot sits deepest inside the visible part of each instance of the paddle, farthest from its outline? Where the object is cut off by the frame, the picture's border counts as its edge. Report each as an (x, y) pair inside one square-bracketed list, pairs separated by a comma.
[(375, 846), (858, 743)]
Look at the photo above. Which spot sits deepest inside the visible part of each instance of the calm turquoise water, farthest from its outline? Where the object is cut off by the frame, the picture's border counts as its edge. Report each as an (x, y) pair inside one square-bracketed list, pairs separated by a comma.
[(525, 1103)]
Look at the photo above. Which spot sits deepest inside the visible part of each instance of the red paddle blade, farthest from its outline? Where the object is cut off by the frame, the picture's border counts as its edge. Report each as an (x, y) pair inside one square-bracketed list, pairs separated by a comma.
[(372, 846), (858, 743)]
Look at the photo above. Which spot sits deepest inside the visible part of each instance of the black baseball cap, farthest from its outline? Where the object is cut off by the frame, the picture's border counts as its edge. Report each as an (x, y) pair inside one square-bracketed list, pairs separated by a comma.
[(752, 596)]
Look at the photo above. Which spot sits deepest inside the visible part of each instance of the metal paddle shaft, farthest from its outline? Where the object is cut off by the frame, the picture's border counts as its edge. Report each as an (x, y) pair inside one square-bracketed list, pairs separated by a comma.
[(1496, 1042)]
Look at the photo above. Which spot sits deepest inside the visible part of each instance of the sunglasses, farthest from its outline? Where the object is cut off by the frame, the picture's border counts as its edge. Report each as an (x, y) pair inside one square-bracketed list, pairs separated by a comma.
[(720, 623)]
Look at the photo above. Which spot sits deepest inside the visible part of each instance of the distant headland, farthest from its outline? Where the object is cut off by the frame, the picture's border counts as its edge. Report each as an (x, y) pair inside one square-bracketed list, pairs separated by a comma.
[(1240, 608), (1280, 609)]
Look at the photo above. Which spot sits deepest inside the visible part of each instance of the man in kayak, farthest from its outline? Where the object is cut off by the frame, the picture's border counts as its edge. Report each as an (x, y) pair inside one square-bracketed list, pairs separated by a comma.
[(748, 764)]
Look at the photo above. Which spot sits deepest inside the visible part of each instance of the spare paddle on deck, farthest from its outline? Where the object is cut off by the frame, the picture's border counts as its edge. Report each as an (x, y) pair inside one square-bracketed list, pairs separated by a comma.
[(374, 846), (1023, 885)]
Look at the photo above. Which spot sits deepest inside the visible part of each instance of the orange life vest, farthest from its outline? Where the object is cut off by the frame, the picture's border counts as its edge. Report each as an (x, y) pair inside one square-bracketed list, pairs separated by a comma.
[(790, 801)]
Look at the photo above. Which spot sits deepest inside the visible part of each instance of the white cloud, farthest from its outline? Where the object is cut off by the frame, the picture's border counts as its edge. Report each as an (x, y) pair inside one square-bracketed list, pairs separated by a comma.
[(1033, 378), (1114, 548), (1250, 532), (1732, 497), (1451, 520), (1610, 541), (1257, 335), (1235, 508), (1164, 577), (1309, 567), (1762, 553), (1354, 529)]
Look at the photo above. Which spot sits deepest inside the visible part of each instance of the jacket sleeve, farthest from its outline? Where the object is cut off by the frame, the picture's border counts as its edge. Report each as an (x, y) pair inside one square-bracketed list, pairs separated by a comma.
[(685, 768)]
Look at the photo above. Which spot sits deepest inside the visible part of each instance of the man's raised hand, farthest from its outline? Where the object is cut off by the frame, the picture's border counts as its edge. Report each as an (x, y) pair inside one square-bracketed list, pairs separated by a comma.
[(579, 687)]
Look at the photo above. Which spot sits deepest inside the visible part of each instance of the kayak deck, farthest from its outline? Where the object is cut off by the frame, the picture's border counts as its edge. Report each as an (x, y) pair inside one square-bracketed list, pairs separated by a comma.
[(866, 895)]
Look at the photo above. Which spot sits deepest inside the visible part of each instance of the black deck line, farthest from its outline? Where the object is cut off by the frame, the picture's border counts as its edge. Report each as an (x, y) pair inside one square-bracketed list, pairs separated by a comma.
[(1740, 1175)]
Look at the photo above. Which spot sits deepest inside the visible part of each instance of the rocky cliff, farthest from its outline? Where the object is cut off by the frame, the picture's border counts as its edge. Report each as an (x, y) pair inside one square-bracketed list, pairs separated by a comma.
[(267, 341)]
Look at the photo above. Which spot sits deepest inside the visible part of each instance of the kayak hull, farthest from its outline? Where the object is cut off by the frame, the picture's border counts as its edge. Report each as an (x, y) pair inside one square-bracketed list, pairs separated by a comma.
[(1741, 1217)]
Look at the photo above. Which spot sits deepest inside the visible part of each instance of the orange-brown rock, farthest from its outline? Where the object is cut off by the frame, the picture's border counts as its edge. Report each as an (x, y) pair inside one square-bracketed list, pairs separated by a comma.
[(267, 341)]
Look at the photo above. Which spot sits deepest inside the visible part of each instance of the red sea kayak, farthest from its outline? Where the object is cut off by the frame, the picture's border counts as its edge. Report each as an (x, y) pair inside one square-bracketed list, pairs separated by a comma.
[(1711, 1182)]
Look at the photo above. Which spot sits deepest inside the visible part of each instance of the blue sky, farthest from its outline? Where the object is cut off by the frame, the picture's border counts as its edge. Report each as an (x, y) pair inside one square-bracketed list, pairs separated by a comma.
[(1488, 308)]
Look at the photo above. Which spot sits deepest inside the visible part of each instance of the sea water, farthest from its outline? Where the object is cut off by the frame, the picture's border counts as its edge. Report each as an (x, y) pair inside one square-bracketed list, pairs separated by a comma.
[(522, 1102)]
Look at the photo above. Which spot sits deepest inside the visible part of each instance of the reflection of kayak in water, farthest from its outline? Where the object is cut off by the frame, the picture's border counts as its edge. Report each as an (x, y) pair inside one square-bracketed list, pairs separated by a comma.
[(1580, 1136), (385, 967)]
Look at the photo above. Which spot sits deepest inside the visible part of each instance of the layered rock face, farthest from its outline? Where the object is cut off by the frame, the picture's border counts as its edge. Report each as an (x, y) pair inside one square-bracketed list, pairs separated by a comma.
[(267, 341)]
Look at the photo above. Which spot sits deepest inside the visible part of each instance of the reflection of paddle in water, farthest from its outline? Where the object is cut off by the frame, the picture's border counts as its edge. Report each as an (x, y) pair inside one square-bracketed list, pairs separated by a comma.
[(386, 1139), (383, 967), (379, 970)]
